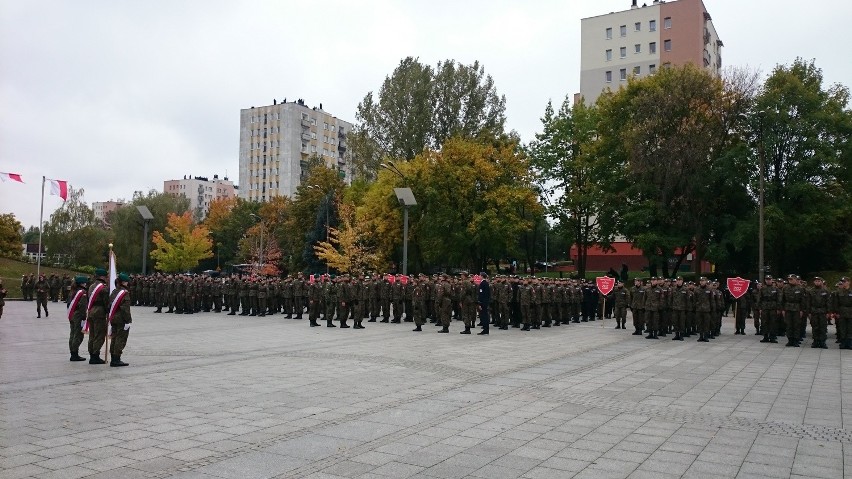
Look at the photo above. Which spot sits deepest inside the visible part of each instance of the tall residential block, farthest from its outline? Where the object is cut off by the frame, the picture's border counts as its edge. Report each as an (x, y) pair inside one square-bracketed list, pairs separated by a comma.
[(102, 209), (200, 191), (642, 39), (278, 142)]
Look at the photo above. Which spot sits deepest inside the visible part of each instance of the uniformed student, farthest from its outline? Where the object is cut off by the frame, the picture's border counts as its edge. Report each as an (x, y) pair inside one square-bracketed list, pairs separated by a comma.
[(119, 319)]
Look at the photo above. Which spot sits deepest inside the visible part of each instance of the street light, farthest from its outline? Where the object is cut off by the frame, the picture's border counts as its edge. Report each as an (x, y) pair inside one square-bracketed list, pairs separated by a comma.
[(262, 227), (761, 116), (406, 198), (327, 201)]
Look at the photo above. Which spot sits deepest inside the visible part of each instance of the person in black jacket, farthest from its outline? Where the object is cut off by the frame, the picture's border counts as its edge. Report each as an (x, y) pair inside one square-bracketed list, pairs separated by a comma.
[(484, 302)]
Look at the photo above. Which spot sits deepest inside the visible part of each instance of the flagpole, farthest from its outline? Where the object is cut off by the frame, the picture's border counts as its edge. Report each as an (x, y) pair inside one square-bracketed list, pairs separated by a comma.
[(109, 289), (40, 228)]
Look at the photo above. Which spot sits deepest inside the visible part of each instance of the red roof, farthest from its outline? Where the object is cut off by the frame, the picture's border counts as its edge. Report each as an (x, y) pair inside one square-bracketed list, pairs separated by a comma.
[(623, 248)]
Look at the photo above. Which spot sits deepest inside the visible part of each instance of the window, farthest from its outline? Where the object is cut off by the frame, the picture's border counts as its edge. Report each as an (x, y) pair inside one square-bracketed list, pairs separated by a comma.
[(638, 48), (667, 45), (652, 25), (623, 30), (623, 52), (652, 48), (609, 33), (638, 26), (667, 23), (637, 70), (609, 55), (623, 74), (609, 77)]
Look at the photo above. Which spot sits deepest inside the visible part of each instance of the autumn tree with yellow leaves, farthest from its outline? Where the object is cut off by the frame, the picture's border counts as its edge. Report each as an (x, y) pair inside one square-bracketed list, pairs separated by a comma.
[(183, 245)]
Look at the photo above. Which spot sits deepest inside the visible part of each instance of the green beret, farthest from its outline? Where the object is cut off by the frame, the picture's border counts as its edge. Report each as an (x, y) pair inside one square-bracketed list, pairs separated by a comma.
[(100, 272), (123, 277), (81, 279)]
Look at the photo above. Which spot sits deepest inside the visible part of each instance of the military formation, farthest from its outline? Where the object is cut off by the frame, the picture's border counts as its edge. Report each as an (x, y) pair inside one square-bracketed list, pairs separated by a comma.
[(659, 307)]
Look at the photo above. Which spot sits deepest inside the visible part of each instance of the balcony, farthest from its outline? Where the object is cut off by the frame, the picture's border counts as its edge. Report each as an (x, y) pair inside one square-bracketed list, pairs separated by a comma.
[(306, 122), (304, 150), (306, 136)]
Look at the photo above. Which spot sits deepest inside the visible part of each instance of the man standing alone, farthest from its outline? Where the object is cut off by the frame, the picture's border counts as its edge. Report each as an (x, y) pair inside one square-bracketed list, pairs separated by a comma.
[(484, 303)]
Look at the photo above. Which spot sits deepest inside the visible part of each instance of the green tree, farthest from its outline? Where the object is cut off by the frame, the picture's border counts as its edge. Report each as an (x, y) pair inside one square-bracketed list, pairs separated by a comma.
[(127, 226), (73, 236), (419, 107), (182, 246), (10, 236), (228, 221), (804, 129), (565, 154), (31, 235), (664, 136)]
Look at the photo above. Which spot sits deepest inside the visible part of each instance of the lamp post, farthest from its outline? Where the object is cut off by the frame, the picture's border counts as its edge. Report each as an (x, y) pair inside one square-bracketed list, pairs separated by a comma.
[(327, 201), (406, 198), (761, 153), (262, 227)]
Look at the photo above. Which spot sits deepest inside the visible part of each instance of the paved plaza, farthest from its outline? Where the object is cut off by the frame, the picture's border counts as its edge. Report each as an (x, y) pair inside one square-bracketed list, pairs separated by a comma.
[(214, 396)]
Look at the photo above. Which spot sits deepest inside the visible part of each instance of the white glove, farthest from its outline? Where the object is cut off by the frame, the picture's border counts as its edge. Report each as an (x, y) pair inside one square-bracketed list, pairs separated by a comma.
[(127, 327)]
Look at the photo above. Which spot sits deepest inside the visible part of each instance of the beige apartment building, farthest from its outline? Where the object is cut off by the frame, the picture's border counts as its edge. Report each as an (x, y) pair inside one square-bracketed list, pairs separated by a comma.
[(103, 208), (640, 40), (200, 191), (278, 140)]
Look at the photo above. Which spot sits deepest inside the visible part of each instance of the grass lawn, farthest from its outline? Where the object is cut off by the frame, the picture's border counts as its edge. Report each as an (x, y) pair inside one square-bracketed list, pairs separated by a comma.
[(11, 271)]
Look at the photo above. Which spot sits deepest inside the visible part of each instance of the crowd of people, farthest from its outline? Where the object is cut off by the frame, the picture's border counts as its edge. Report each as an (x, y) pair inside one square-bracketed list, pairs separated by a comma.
[(659, 307)]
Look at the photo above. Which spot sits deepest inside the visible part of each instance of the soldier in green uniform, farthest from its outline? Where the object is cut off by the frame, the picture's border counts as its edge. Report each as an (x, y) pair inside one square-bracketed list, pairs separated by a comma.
[(794, 304), (652, 308), (385, 295), (418, 303), (818, 310), (120, 319), (262, 295), (298, 295), (444, 295), (703, 300), (67, 283), (621, 300), (252, 295), (53, 286), (345, 295), (329, 296), (680, 304), (637, 306), (3, 293), (41, 289), (96, 316), (315, 293), (841, 308), (397, 298), (77, 315), (525, 293), (767, 302)]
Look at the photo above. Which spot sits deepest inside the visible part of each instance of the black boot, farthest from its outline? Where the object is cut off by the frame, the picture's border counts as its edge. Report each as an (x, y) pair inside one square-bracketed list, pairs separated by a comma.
[(95, 359), (314, 323), (75, 356), (342, 324), (702, 339), (822, 345), (466, 330), (329, 324), (445, 329), (638, 332), (650, 335), (417, 328), (526, 327), (116, 362)]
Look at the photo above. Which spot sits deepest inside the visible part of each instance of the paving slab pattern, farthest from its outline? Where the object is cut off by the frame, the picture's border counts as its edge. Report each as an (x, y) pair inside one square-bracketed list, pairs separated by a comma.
[(214, 396)]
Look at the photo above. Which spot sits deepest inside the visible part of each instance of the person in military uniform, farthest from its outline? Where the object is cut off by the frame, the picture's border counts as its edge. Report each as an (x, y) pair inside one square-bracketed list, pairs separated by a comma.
[(119, 319), (652, 308), (525, 294), (67, 283), (346, 295), (484, 302), (53, 286), (621, 300), (329, 297), (703, 300), (315, 289), (741, 308), (818, 311), (418, 303), (444, 295), (41, 289), (841, 309), (77, 315), (96, 315), (794, 305), (299, 295), (397, 298), (767, 302), (3, 293), (637, 306), (680, 304)]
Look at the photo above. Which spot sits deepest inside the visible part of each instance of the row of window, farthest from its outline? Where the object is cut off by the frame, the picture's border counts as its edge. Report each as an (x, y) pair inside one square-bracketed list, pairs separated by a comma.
[(637, 48), (637, 27), (622, 74)]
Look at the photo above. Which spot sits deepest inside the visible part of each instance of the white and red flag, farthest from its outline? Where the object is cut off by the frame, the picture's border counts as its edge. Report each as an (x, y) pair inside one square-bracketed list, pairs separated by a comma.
[(59, 188), (10, 176)]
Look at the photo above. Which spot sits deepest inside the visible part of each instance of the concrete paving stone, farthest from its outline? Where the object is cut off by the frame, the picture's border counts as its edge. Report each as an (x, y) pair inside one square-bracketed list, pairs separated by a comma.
[(547, 473), (348, 469), (26, 470), (375, 458), (253, 465), (63, 461), (108, 463), (72, 472), (565, 464), (765, 470), (397, 470)]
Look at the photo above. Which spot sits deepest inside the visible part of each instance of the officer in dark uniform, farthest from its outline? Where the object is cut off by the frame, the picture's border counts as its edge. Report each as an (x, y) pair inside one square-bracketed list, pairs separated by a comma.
[(484, 302)]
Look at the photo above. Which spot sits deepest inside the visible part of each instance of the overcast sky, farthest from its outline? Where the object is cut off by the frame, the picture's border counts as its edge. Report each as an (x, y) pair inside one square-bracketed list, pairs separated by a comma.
[(117, 96)]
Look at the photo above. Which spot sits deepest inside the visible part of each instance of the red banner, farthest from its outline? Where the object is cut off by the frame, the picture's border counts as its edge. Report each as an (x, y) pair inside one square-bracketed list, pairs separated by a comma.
[(738, 287), (605, 284)]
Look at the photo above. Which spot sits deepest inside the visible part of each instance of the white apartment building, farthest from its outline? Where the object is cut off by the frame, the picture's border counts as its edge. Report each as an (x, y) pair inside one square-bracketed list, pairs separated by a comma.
[(277, 141), (642, 39), (200, 191)]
